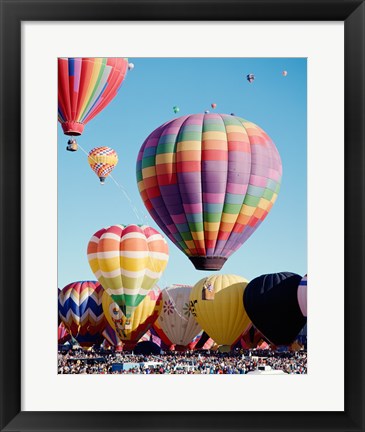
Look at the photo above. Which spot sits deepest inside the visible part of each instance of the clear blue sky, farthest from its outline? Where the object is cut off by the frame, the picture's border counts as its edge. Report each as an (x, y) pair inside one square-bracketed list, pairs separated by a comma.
[(277, 104)]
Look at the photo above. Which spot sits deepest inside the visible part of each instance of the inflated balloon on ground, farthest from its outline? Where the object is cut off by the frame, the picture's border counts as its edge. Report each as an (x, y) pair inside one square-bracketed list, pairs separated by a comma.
[(141, 319), (80, 309), (272, 304), (176, 319), (216, 303)]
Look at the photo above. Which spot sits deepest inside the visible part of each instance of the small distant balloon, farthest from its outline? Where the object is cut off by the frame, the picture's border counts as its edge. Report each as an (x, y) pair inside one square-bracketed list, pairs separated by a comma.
[(250, 78), (130, 66), (102, 161), (206, 112), (213, 105), (176, 109), (285, 73), (233, 114)]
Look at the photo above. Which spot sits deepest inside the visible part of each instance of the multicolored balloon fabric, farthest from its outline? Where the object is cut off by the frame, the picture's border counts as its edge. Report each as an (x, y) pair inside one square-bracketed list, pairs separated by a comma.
[(216, 303), (111, 336), (128, 261), (63, 334), (102, 161), (208, 181), (85, 87), (176, 320), (272, 304), (141, 319), (250, 339), (81, 311), (162, 335)]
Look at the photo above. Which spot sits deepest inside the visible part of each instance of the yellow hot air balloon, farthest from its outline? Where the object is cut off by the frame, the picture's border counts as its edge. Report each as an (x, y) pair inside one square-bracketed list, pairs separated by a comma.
[(145, 314), (217, 304)]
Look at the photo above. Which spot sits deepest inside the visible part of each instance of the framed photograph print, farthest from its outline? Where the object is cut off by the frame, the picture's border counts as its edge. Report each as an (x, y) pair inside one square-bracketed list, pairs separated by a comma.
[(181, 172)]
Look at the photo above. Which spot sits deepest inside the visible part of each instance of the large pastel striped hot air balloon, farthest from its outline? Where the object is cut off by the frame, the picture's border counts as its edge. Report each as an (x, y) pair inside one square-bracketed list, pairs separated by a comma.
[(128, 261), (81, 311), (208, 181), (176, 319), (144, 315), (102, 161), (272, 304), (85, 87), (216, 303)]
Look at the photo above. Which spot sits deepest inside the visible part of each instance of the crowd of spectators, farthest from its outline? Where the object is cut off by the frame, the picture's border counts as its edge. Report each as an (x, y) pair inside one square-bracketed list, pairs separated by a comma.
[(172, 362)]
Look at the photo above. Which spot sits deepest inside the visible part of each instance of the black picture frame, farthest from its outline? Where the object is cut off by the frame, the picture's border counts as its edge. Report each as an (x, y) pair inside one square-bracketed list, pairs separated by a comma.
[(13, 12)]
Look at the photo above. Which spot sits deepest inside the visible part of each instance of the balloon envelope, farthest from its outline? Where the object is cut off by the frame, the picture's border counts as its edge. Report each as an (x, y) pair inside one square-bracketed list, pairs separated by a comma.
[(250, 78), (147, 348), (271, 303), (161, 334), (128, 261), (111, 336), (140, 321), (63, 334), (302, 295), (250, 339), (216, 303), (208, 181), (80, 309), (102, 161), (176, 320), (85, 87)]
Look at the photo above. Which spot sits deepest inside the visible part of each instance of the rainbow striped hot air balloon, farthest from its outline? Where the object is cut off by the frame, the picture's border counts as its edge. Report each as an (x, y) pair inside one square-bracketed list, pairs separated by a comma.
[(81, 311), (128, 261), (85, 87), (208, 181), (102, 161)]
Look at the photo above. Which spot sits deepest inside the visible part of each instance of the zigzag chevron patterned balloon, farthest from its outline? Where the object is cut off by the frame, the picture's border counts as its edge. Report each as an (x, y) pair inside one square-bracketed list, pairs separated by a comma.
[(80, 309)]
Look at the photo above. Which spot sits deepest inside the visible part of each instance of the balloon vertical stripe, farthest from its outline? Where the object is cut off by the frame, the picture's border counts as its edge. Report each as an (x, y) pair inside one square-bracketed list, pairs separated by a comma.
[(85, 87)]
